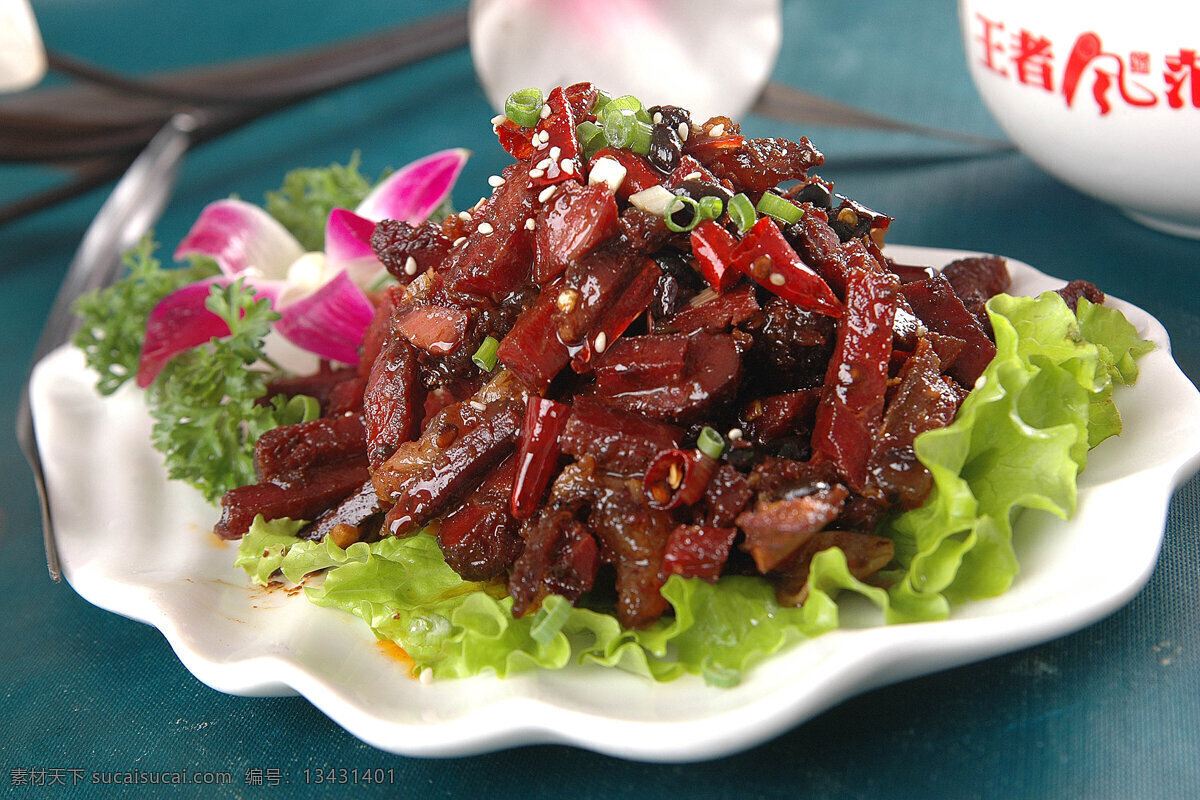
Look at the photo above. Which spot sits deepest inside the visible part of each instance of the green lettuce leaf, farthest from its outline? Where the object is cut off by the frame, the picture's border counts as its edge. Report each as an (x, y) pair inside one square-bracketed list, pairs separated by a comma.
[(1119, 343), (720, 630), (113, 319), (1019, 441), (404, 590), (261, 551)]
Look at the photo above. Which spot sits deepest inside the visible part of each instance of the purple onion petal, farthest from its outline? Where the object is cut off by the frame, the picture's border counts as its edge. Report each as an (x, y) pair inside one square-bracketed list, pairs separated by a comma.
[(415, 191), (329, 322), (241, 236), (348, 236), (181, 321)]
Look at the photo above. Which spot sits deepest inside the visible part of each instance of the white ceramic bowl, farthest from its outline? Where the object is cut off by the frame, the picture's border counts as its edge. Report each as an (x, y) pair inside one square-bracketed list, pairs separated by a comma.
[(1103, 95)]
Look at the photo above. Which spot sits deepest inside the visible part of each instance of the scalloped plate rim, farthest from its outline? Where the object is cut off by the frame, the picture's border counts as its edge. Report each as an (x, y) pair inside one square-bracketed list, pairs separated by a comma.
[(547, 707)]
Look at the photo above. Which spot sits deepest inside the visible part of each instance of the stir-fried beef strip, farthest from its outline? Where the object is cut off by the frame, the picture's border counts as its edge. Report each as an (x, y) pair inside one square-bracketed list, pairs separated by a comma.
[(480, 539), (669, 390)]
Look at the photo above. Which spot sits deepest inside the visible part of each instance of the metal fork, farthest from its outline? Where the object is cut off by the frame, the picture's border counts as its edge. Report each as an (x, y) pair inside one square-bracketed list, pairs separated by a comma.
[(135, 204)]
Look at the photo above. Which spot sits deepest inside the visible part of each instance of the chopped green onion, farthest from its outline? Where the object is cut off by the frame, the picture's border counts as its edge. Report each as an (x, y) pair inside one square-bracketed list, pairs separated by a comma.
[(549, 619), (775, 206), (642, 133), (590, 136), (624, 130), (677, 204), (603, 98), (711, 207), (301, 408), (741, 212), (485, 356), (524, 107), (627, 103), (711, 443)]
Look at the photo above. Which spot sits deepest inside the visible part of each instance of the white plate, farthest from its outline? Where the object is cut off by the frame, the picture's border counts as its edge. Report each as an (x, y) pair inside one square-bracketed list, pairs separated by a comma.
[(134, 543)]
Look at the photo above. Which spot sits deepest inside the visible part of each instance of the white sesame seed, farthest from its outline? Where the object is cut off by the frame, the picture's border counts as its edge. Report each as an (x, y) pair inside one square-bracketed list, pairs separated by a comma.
[(777, 279), (478, 406), (735, 434), (478, 203), (496, 181), (657, 118), (691, 176), (485, 228), (536, 173), (545, 112), (545, 163), (410, 266), (426, 676), (529, 224), (567, 166), (543, 136), (547, 193), (459, 240), (683, 131), (555, 152), (717, 130), (465, 216), (498, 119), (601, 342)]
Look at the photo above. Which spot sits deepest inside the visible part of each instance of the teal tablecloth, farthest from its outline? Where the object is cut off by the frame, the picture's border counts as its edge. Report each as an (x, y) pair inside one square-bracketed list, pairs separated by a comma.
[(1110, 711)]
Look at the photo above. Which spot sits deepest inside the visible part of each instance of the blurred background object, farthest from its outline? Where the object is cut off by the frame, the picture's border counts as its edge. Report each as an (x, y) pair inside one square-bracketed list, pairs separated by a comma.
[(22, 57), (93, 128), (1104, 96), (709, 56)]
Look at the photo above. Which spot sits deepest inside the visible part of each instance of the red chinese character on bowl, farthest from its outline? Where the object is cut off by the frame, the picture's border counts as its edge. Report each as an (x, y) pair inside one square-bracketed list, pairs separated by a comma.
[(1105, 99)]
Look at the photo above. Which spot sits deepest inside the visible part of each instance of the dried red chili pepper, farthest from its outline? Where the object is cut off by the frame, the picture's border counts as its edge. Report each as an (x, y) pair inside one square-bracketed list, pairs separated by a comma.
[(581, 97), (537, 455), (556, 134), (706, 148), (516, 140), (766, 256), (713, 247), (677, 478)]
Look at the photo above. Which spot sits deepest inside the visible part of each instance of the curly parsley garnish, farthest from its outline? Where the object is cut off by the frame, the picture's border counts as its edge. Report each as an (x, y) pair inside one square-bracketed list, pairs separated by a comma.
[(206, 403), (303, 203), (114, 318)]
